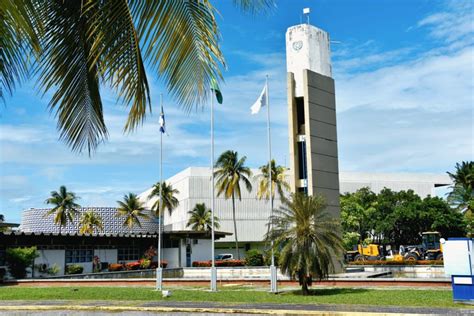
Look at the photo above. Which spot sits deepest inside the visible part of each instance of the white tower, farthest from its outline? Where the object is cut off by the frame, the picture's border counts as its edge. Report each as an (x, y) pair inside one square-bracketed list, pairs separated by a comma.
[(307, 47), (312, 114)]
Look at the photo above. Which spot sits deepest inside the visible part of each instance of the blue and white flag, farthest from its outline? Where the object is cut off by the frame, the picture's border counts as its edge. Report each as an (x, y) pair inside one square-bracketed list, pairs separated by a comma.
[(162, 121), (261, 101)]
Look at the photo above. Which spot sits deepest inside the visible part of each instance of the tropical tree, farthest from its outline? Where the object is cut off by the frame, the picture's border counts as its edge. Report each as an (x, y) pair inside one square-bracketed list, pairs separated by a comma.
[(279, 183), (90, 221), (200, 218), (170, 201), (132, 209), (75, 47), (230, 172), (2, 218), (307, 237), (462, 194), (65, 207)]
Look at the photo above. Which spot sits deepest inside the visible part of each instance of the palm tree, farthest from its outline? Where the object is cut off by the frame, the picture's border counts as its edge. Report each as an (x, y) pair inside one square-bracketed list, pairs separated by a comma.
[(90, 221), (279, 183), (462, 194), (65, 206), (2, 218), (307, 236), (132, 209), (77, 46), (200, 218), (170, 202), (230, 172)]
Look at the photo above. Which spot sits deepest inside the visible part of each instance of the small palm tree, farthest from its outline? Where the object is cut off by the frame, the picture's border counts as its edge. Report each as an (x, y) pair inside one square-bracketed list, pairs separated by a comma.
[(65, 206), (90, 221), (132, 209), (230, 172), (201, 218), (170, 202), (308, 238)]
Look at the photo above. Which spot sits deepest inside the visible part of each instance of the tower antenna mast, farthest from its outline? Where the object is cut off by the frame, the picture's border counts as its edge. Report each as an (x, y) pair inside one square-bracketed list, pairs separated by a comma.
[(306, 12)]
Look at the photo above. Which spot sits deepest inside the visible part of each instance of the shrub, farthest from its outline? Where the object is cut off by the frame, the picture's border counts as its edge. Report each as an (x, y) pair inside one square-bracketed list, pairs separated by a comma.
[(115, 267), (254, 258), (132, 265), (268, 257), (145, 263), (53, 270), (18, 259), (74, 269)]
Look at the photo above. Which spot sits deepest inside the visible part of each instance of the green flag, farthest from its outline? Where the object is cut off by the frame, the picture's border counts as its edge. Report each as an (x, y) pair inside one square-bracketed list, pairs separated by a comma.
[(217, 91)]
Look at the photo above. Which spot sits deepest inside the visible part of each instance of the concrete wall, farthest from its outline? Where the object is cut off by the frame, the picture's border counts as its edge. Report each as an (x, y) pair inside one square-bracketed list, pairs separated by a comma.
[(51, 257)]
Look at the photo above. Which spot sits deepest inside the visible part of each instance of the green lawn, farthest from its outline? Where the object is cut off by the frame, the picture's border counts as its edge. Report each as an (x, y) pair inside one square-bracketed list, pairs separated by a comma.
[(405, 297)]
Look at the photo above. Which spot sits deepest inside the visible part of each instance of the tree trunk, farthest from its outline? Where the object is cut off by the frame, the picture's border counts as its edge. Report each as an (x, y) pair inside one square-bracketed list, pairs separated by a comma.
[(235, 227), (304, 285)]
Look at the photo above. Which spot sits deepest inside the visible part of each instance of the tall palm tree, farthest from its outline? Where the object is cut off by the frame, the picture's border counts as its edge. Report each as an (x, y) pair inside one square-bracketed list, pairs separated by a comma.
[(200, 218), (77, 46), (90, 221), (230, 172), (65, 206), (307, 236), (132, 209), (279, 183), (170, 201)]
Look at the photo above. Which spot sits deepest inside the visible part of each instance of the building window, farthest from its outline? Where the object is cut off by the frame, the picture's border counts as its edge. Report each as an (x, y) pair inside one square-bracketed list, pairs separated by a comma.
[(171, 243), (129, 253), (79, 255)]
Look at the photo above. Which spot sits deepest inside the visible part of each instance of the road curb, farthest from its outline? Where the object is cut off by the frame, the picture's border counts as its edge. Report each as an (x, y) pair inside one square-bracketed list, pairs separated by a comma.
[(191, 310)]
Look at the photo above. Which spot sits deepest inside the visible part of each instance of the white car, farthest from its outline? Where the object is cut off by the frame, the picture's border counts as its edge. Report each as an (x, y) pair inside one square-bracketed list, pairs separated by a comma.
[(224, 256)]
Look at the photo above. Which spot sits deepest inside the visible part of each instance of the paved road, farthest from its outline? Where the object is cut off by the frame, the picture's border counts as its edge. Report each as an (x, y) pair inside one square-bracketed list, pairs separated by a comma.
[(209, 308)]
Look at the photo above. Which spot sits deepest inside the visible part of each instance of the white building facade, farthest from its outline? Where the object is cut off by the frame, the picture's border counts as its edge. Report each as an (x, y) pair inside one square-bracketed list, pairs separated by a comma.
[(252, 214)]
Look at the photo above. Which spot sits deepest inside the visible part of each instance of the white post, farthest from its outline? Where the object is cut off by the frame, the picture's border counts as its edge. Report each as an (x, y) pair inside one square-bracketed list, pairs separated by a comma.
[(273, 270), (159, 270), (213, 264)]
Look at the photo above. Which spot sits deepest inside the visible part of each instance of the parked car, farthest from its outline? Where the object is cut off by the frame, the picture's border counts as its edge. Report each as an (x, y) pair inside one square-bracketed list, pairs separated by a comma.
[(224, 256)]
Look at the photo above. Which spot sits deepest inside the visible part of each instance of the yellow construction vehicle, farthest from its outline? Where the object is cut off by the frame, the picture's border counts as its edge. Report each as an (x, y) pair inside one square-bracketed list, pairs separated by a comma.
[(363, 253), (430, 248)]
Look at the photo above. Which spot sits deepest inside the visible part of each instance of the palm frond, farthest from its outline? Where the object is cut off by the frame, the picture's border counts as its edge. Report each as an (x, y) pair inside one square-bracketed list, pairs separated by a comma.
[(180, 41), (68, 66)]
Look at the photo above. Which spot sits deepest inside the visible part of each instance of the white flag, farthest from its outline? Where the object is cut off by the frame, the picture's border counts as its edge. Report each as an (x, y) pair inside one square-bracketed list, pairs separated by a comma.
[(261, 101)]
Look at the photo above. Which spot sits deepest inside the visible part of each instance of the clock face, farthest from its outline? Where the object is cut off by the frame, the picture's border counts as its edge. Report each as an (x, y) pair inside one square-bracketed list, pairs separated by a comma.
[(297, 45)]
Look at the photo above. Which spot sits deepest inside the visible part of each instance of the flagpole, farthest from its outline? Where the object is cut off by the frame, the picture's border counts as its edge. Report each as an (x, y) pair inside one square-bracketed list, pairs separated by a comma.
[(273, 271), (159, 269), (213, 263)]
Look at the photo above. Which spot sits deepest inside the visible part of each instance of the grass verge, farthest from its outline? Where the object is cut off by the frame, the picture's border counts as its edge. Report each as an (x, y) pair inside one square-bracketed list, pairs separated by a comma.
[(394, 297)]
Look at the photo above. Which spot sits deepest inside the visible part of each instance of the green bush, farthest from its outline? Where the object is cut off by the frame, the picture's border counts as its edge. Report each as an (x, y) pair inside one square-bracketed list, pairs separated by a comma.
[(254, 258), (18, 259), (74, 269), (268, 257)]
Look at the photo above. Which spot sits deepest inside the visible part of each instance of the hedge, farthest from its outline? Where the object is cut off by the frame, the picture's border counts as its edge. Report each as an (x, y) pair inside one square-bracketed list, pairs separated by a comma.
[(397, 263), (74, 269)]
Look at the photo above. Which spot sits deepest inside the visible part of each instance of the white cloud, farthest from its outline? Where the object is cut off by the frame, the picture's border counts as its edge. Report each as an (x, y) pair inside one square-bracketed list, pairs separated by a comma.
[(453, 24)]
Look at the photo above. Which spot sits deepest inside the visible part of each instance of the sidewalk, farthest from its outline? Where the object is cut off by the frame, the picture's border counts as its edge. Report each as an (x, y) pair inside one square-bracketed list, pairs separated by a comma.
[(92, 307)]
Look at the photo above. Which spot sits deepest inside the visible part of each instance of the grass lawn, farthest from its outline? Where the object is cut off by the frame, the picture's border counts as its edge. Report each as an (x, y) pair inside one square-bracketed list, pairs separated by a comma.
[(400, 297)]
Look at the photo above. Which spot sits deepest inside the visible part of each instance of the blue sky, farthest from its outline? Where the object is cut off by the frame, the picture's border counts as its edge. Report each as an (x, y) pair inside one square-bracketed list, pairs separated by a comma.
[(404, 93)]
